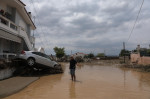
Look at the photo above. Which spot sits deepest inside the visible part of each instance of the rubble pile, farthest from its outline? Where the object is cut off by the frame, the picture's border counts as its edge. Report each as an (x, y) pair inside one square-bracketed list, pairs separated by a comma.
[(22, 69)]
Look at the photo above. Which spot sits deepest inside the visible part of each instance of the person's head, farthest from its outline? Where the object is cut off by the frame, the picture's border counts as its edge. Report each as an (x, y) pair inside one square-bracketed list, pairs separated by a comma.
[(71, 58)]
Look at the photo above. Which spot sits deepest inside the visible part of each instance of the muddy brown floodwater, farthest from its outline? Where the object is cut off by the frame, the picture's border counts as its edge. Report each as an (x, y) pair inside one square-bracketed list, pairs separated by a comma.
[(93, 82)]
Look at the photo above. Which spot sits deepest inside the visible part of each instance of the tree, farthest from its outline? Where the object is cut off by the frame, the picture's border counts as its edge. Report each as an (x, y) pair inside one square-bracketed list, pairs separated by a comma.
[(124, 52), (148, 51), (100, 55), (60, 52), (91, 55)]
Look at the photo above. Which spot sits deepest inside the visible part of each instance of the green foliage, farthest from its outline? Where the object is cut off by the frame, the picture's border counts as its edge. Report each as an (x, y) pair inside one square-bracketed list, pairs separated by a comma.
[(60, 52), (100, 55), (91, 55), (145, 52), (124, 52), (148, 51)]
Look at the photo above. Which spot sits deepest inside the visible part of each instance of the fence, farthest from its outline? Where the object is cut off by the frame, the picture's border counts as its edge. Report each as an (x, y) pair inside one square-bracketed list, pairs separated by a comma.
[(7, 56)]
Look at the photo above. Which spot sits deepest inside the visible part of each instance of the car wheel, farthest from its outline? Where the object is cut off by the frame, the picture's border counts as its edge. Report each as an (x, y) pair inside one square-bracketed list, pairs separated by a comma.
[(31, 62)]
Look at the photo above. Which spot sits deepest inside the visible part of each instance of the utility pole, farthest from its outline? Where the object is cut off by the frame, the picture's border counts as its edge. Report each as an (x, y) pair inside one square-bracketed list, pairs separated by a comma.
[(104, 52), (71, 52), (124, 51)]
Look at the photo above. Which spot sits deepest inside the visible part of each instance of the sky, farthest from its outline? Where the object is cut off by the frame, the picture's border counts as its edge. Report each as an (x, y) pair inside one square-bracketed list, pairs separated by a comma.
[(97, 26)]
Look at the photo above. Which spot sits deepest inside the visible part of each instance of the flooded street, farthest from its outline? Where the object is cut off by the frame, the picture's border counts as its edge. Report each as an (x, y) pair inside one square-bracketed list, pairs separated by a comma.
[(93, 82)]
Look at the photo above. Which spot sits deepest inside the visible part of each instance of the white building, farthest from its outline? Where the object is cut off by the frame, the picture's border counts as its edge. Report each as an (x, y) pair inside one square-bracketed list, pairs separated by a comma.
[(78, 54), (15, 27)]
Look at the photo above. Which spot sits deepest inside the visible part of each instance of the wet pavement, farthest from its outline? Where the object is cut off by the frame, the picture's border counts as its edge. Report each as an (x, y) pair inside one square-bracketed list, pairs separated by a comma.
[(93, 82)]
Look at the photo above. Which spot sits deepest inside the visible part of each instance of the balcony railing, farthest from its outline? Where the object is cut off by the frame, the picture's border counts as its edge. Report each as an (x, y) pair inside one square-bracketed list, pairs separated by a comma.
[(7, 56), (18, 30), (8, 23)]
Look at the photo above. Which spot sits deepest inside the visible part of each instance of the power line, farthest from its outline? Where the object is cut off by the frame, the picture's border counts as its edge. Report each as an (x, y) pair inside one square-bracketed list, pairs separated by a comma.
[(42, 42), (136, 20), (40, 26)]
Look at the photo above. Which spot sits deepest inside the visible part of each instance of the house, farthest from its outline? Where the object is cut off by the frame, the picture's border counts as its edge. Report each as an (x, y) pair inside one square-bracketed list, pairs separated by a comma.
[(79, 54), (15, 27), (41, 49), (141, 56)]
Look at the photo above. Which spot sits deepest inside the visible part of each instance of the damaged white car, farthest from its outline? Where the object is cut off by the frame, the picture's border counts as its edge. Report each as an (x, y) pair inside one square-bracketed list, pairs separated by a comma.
[(38, 60)]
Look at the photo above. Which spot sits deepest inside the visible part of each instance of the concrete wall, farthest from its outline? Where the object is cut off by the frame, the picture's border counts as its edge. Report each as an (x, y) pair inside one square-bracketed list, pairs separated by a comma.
[(9, 46), (6, 73), (6, 45), (144, 60), (135, 58)]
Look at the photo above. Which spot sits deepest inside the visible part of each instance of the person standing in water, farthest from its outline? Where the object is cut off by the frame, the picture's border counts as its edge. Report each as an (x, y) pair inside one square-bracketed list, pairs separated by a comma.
[(72, 68)]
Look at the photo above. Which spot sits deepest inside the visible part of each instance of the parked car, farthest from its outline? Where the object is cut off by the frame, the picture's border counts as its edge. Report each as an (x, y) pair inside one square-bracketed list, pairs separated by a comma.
[(38, 60)]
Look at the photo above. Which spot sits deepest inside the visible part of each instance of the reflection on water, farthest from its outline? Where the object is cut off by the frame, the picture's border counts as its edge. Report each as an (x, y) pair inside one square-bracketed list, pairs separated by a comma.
[(72, 90), (93, 82)]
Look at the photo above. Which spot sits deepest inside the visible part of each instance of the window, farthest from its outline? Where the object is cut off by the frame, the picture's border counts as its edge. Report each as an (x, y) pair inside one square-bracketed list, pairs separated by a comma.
[(9, 9), (37, 53), (44, 55)]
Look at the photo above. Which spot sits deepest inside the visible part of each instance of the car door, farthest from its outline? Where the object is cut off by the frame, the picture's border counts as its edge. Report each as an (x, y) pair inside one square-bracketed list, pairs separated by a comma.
[(48, 61), (38, 57)]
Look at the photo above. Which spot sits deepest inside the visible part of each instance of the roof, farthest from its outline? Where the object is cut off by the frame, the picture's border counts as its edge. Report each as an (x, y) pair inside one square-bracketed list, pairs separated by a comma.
[(21, 2), (25, 12)]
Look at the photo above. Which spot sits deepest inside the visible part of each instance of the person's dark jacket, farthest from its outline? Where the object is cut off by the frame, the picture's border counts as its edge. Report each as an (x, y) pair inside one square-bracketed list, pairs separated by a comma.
[(72, 64)]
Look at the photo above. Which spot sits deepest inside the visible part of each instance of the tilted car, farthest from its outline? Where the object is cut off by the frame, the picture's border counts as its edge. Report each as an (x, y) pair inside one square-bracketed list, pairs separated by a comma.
[(38, 60)]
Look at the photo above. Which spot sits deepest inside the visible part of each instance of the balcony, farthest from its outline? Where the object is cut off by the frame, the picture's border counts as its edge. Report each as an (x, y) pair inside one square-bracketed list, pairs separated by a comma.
[(16, 30), (7, 24), (23, 34)]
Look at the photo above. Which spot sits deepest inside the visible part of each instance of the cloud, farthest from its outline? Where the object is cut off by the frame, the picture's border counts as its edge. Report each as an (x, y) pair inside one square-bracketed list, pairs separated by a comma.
[(90, 25)]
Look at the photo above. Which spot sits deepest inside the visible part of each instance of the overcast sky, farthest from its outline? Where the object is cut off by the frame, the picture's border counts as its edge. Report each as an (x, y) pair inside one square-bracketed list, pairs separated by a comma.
[(95, 26)]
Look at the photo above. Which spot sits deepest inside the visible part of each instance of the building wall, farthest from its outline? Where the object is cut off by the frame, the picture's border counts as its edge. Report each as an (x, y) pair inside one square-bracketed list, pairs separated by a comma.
[(9, 9), (144, 60), (135, 58), (3, 6), (7, 46), (28, 30), (20, 21), (78, 55), (24, 31)]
